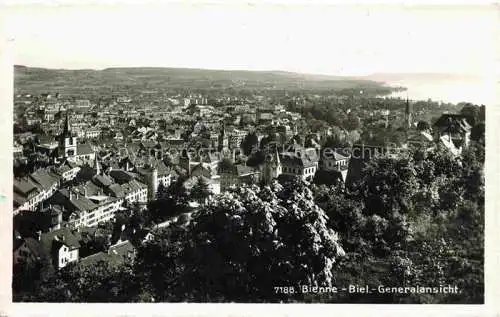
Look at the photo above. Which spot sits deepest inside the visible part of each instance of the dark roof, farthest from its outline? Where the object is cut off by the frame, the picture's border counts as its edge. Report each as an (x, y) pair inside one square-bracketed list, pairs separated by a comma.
[(244, 170), (121, 176), (122, 249), (204, 168), (92, 189), (94, 259), (454, 121), (305, 161), (82, 203), (116, 191), (328, 177)]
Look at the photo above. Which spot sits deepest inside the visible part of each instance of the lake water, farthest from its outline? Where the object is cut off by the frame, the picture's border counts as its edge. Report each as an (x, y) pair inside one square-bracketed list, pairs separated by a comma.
[(454, 91)]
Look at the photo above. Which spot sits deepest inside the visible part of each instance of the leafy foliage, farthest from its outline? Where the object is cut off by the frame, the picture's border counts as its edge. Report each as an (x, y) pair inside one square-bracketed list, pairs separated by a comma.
[(238, 247), (404, 225)]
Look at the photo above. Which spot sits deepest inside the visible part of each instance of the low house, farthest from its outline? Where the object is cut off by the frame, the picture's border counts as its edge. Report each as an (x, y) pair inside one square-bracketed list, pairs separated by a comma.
[(67, 170), (61, 247), (47, 181), (302, 163), (334, 161), (237, 174), (456, 126), (121, 253)]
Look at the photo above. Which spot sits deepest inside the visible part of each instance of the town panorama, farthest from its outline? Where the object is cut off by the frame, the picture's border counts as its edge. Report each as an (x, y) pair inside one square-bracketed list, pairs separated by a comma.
[(191, 185)]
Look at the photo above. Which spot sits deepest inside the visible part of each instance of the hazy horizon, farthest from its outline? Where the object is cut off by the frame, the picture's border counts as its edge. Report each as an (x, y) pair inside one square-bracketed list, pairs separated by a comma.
[(424, 74), (318, 39)]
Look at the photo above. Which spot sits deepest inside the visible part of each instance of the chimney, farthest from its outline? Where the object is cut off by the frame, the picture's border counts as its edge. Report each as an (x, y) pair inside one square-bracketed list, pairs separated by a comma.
[(39, 235), (70, 194)]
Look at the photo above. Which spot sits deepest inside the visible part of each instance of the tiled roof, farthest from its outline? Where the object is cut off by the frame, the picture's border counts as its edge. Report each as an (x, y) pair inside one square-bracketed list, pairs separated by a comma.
[(116, 191), (82, 204), (121, 176), (296, 160), (94, 259), (24, 186), (65, 237), (244, 170), (102, 180), (457, 121), (92, 189), (44, 178), (132, 186)]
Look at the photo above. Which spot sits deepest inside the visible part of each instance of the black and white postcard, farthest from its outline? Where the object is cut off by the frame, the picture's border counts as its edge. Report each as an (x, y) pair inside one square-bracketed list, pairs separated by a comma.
[(259, 152)]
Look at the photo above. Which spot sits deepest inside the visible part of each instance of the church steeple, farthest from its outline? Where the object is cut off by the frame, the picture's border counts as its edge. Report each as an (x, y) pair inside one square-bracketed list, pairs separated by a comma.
[(67, 128), (408, 114), (67, 141), (97, 166), (223, 140)]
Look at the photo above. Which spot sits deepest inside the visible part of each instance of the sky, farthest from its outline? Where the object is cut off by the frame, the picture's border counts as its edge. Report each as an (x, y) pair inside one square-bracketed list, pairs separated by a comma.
[(317, 38)]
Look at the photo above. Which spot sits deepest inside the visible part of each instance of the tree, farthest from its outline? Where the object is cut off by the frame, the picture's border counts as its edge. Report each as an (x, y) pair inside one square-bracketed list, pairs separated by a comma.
[(352, 122), (225, 166), (100, 282), (200, 190), (388, 185), (171, 201), (256, 159), (242, 245), (478, 132), (472, 111)]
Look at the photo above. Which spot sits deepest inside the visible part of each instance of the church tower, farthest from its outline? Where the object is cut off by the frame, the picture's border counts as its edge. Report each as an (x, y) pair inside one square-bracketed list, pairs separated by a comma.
[(272, 167), (408, 114), (67, 141), (151, 178), (223, 142), (97, 166)]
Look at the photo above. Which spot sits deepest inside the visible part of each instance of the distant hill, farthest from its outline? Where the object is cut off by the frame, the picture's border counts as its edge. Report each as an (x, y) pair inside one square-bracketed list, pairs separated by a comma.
[(140, 78)]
